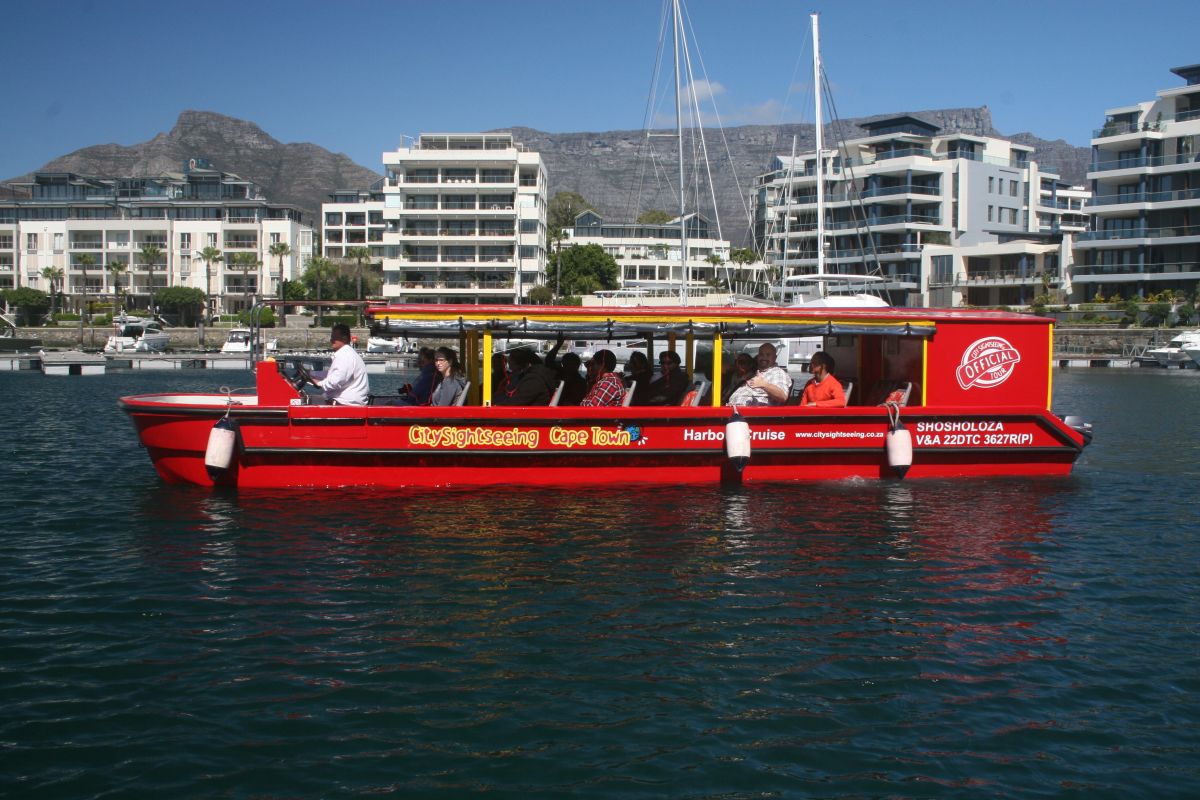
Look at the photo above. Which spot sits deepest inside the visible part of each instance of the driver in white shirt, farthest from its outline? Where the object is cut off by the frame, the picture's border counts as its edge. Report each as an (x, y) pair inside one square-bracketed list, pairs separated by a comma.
[(345, 384)]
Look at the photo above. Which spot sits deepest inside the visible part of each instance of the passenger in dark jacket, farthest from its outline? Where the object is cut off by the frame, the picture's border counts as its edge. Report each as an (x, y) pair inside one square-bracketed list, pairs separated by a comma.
[(637, 368), (672, 385), (529, 384)]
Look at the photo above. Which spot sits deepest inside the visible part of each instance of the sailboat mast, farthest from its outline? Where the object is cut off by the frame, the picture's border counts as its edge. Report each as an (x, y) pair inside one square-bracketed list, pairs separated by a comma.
[(683, 270), (819, 135)]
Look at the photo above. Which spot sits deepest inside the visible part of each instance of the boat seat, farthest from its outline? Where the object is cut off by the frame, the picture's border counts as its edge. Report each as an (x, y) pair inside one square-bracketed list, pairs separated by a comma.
[(557, 393), (462, 396), (696, 393), (847, 387), (629, 394), (892, 392)]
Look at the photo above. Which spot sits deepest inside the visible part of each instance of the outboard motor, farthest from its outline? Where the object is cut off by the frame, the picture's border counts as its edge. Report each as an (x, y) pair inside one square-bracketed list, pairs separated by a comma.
[(1082, 427)]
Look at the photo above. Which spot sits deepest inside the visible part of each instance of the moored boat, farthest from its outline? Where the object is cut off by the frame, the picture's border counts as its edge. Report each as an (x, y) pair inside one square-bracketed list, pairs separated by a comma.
[(239, 340), (977, 386), (1174, 354), (134, 334)]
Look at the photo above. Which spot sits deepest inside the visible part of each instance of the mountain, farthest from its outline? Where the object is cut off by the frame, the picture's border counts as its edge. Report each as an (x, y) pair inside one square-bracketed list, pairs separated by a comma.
[(297, 174), (604, 167)]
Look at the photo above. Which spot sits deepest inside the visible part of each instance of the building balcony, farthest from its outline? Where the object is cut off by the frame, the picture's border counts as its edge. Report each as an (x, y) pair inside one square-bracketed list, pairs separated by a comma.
[(1134, 198), (1178, 270), (1002, 277), (1140, 235)]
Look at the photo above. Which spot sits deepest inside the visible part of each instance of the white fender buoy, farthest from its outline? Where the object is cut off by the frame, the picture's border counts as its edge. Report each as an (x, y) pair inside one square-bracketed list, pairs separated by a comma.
[(222, 442), (899, 442), (737, 441)]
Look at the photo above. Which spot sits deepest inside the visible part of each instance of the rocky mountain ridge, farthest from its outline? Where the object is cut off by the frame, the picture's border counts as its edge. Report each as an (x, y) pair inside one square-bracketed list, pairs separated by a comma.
[(605, 167)]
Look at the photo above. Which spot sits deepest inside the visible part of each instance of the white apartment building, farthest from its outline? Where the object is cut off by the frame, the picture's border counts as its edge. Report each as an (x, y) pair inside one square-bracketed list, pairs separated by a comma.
[(649, 254), (53, 221), (944, 219), (353, 219), (465, 218), (1145, 175)]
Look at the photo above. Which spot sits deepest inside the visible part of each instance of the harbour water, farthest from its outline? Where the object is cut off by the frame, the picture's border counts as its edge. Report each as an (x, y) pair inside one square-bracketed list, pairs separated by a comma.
[(998, 638)]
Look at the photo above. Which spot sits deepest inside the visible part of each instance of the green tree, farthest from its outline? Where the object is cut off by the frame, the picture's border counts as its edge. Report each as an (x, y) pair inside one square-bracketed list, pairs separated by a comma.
[(586, 269), (85, 261), (117, 268), (281, 251), (743, 256), (182, 300), (53, 276), (654, 216), (149, 254), (564, 207), (360, 255), (209, 255), (541, 296), (31, 304), (319, 274)]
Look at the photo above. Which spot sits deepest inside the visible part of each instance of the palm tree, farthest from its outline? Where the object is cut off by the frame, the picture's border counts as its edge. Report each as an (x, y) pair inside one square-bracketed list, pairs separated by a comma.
[(116, 268), (281, 251), (359, 254), (53, 276), (320, 269), (209, 255), (149, 254), (86, 260)]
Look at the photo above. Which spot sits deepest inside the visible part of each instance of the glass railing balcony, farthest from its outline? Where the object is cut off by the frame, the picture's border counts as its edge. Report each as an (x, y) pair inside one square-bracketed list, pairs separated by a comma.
[(1140, 233), (87, 245), (1162, 268), (1008, 276), (1114, 129), (1145, 197), (882, 191), (1184, 116)]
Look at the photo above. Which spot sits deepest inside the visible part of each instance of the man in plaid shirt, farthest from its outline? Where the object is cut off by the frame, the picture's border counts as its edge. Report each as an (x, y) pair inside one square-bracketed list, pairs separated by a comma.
[(607, 388)]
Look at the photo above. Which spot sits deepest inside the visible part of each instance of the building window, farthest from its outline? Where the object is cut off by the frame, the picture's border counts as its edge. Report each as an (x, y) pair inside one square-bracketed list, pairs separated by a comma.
[(31, 241), (991, 212), (529, 226), (212, 240), (943, 267), (528, 251), (185, 241), (274, 238), (1012, 188), (991, 184)]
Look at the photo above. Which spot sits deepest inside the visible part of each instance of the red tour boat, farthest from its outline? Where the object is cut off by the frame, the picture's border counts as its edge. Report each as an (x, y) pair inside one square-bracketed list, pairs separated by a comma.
[(933, 394)]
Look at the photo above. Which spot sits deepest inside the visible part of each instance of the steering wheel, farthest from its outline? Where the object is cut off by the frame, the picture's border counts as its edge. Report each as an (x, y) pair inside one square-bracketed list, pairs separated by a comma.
[(302, 378)]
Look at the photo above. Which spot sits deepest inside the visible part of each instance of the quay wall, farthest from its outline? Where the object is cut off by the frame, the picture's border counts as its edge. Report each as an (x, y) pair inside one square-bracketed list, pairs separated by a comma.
[(1067, 341)]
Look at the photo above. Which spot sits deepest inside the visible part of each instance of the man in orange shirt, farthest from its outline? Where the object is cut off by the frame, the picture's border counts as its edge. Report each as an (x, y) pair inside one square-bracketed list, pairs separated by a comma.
[(823, 389)]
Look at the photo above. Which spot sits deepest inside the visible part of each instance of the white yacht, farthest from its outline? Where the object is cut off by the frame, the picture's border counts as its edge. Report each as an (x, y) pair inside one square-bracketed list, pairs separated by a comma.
[(1174, 354), (134, 334), (239, 342)]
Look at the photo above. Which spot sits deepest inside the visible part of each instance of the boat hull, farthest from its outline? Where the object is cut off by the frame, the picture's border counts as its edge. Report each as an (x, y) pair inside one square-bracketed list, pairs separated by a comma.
[(387, 447)]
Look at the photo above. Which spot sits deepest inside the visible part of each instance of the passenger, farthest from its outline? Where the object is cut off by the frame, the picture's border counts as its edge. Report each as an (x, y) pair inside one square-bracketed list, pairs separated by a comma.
[(345, 384), (672, 385), (823, 389), (427, 371), (743, 368), (529, 383), (574, 384), (606, 387), (499, 373), (638, 369), (418, 393), (451, 382), (770, 386)]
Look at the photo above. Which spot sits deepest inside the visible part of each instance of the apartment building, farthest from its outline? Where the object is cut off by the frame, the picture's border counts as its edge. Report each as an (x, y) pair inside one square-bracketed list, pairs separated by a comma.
[(943, 218), (51, 224), (353, 219), (465, 220), (649, 254), (1145, 210)]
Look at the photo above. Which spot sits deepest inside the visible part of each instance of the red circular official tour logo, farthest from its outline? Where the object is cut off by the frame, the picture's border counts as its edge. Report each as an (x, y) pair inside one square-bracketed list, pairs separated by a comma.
[(987, 363)]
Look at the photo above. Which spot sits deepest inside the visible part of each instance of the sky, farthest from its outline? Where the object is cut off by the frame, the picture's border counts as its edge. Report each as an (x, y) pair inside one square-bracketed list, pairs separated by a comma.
[(355, 76)]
